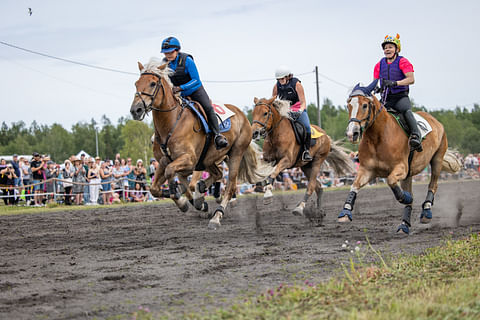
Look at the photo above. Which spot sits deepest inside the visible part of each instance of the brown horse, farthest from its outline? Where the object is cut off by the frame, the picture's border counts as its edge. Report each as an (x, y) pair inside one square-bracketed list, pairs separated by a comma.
[(271, 120), (179, 141), (384, 152)]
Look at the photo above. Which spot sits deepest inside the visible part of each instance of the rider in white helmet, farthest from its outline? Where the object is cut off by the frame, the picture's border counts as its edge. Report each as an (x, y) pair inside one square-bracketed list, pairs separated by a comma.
[(290, 88)]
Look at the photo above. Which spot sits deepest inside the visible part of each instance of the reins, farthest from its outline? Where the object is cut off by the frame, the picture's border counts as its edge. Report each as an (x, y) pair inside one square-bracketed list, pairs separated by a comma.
[(270, 113), (153, 96)]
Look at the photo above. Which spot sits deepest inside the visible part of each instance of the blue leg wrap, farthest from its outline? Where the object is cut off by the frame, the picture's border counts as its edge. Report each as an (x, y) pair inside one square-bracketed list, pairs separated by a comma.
[(345, 212), (403, 227), (402, 196), (407, 198)]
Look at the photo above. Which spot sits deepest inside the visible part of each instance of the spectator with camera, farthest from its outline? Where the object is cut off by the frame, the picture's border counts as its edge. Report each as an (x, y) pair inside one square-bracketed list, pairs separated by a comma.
[(7, 180), (37, 165)]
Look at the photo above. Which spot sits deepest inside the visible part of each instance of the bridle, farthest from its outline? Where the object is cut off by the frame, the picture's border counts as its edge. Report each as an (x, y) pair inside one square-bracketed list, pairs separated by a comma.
[(264, 124), (153, 96), (368, 121)]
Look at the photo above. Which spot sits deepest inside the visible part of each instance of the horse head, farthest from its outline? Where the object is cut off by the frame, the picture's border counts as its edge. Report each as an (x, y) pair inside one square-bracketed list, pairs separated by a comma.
[(362, 111), (153, 89), (262, 117)]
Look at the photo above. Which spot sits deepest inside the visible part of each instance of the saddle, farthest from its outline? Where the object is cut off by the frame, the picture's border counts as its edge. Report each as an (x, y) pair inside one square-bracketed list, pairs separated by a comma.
[(301, 134), (422, 124)]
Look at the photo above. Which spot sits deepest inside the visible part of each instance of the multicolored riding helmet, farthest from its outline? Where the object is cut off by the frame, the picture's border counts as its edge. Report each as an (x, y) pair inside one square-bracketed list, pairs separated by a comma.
[(170, 44), (395, 41)]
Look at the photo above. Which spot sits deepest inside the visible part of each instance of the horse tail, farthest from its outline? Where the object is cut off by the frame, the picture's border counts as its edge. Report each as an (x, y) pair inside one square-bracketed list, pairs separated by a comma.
[(339, 159), (451, 163), (252, 167)]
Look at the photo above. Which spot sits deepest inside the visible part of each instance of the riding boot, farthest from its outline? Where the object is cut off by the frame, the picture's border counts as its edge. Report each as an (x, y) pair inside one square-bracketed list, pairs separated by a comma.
[(306, 154), (414, 140), (219, 140)]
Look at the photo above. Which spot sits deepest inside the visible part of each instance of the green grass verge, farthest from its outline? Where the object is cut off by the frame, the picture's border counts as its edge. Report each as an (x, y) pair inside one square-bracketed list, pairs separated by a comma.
[(443, 283)]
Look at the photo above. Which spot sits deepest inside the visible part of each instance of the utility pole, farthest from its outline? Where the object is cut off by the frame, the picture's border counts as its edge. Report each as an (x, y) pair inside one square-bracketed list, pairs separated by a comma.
[(318, 98), (96, 139)]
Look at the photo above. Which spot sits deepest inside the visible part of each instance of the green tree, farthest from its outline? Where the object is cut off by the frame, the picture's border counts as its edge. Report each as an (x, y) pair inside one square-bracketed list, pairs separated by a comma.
[(137, 140)]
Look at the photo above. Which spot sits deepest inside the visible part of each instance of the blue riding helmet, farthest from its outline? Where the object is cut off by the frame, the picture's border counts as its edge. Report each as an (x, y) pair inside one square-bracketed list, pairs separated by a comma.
[(170, 44)]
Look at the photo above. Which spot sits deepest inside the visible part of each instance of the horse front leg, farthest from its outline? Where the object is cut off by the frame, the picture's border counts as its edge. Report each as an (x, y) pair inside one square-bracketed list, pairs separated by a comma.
[(363, 177), (181, 165), (397, 174), (407, 211), (268, 195), (159, 178), (313, 184)]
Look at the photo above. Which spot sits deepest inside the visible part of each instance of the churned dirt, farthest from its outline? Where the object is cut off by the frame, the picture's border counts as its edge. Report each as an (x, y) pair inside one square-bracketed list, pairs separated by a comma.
[(110, 261)]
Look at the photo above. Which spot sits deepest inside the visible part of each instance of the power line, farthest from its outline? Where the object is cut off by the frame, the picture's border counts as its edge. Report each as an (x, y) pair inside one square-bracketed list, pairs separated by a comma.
[(136, 74)]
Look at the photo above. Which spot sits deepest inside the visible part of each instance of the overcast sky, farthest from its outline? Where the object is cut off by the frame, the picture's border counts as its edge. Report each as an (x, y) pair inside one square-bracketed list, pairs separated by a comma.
[(230, 40)]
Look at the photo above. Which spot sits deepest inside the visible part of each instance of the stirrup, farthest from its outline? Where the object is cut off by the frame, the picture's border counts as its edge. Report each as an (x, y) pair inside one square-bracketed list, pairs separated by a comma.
[(306, 156), (220, 141)]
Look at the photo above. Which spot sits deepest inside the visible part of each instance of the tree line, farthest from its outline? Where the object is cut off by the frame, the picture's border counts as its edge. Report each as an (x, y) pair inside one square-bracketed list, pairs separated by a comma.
[(131, 138)]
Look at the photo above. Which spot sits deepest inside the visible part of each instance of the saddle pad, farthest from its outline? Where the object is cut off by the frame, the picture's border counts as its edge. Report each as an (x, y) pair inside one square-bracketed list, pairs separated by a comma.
[(423, 125), (315, 133), (222, 111)]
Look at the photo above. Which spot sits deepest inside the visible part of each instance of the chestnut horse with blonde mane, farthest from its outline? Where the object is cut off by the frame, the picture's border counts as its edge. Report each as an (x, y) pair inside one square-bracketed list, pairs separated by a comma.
[(271, 120), (179, 141), (384, 152)]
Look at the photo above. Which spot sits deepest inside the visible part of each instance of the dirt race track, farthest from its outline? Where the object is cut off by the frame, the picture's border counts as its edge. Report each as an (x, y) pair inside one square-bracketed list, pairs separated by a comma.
[(109, 261)]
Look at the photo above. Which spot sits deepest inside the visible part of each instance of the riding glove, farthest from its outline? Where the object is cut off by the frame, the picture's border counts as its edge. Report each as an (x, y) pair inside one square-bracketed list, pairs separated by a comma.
[(389, 83), (176, 89)]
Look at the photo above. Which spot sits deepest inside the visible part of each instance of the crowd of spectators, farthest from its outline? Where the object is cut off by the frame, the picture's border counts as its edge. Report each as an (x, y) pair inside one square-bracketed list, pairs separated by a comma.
[(92, 181), (83, 180)]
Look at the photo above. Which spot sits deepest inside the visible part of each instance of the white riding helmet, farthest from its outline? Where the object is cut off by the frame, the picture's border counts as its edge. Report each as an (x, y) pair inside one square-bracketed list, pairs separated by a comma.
[(282, 71)]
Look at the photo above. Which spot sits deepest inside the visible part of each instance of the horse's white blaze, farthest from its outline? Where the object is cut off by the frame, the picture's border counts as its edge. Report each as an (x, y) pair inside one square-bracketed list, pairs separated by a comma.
[(354, 103)]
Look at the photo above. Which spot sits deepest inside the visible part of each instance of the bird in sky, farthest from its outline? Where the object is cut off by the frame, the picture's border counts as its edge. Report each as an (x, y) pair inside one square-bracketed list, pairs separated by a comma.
[(30, 11)]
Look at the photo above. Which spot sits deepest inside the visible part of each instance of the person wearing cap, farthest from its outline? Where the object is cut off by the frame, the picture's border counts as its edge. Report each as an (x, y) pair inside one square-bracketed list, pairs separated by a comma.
[(290, 88), (396, 74), (36, 166), (186, 80)]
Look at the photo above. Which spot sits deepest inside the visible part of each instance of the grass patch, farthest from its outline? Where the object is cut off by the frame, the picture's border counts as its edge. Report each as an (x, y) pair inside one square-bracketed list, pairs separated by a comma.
[(443, 283)]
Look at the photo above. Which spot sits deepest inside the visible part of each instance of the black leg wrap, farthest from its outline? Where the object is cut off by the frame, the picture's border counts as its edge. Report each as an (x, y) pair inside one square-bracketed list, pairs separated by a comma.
[(204, 207), (172, 187), (220, 208), (428, 199), (216, 190), (398, 192), (202, 187), (352, 195), (407, 213), (270, 180)]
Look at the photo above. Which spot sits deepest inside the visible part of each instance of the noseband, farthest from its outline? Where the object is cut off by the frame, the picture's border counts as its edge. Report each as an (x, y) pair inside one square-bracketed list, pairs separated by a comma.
[(153, 95)]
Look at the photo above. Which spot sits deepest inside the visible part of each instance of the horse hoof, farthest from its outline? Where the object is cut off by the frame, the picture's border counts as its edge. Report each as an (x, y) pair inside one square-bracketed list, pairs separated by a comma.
[(298, 212), (403, 227), (426, 216), (184, 208), (219, 199), (198, 203), (345, 216), (214, 223), (233, 202)]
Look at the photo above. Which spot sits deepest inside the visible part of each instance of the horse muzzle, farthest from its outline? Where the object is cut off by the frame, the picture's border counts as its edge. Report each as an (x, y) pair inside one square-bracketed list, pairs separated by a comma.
[(137, 110), (353, 133), (258, 133)]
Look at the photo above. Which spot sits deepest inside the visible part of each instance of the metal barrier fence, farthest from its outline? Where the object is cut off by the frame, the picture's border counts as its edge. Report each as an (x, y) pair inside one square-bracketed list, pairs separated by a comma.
[(56, 194)]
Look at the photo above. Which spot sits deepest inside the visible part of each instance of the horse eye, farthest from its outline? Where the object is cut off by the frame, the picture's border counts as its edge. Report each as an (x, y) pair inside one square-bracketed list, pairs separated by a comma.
[(265, 114), (365, 106), (153, 84)]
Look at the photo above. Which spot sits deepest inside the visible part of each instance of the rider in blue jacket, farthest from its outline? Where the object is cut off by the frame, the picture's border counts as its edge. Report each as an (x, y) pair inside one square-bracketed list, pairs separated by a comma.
[(186, 80)]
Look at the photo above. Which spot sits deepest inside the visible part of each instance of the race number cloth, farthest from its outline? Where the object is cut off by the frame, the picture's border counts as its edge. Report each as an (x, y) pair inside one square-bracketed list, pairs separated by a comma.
[(315, 133), (222, 111), (423, 125)]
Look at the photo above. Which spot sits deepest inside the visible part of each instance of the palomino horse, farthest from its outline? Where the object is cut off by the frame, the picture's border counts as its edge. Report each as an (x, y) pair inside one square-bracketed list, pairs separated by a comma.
[(384, 152), (271, 120), (181, 141)]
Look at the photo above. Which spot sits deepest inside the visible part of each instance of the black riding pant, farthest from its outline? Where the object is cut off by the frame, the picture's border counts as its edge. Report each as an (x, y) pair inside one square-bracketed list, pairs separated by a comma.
[(201, 97), (398, 101)]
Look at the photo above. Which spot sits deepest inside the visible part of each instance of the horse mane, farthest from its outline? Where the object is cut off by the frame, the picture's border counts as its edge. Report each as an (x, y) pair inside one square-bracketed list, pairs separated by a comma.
[(153, 67), (283, 107)]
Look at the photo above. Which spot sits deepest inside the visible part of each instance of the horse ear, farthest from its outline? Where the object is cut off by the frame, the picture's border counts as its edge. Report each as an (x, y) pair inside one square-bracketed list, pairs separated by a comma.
[(163, 66), (255, 100), (140, 66), (270, 101)]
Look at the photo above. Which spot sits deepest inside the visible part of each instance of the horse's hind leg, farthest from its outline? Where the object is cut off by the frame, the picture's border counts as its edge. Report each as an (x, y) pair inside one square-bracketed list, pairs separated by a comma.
[(407, 211), (436, 164), (311, 172)]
